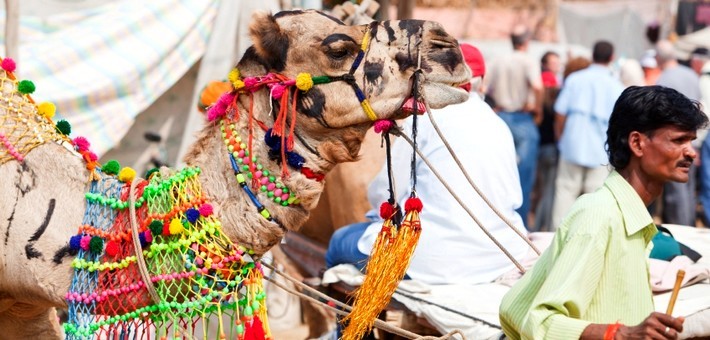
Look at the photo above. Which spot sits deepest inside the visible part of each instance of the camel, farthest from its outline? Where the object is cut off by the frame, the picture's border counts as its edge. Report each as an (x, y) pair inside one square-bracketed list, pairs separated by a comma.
[(44, 189)]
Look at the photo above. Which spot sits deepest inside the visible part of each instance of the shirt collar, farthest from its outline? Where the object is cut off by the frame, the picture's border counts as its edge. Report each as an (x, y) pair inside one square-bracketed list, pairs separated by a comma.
[(633, 210)]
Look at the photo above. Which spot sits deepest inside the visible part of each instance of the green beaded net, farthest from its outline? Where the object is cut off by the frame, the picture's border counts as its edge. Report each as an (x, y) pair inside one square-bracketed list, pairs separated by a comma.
[(206, 287)]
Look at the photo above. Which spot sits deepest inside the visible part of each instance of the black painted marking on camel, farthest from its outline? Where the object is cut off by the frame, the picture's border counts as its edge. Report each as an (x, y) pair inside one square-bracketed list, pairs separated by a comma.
[(30, 251)]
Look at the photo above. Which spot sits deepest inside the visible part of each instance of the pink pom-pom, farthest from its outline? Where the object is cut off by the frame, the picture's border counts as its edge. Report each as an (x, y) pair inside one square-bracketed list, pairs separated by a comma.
[(383, 125), (81, 143), (413, 203), (8, 65), (206, 210), (386, 210), (148, 236), (220, 107), (84, 243), (277, 91), (250, 82), (92, 156)]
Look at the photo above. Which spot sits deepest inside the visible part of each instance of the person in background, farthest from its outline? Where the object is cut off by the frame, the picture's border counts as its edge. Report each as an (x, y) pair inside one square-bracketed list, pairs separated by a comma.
[(631, 73), (650, 67), (583, 108), (547, 155), (700, 63), (592, 282), (679, 200), (515, 86)]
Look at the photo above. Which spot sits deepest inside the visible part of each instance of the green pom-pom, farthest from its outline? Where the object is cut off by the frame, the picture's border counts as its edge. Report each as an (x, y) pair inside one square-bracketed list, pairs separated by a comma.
[(64, 127), (25, 87), (150, 172), (111, 167), (156, 228), (96, 245)]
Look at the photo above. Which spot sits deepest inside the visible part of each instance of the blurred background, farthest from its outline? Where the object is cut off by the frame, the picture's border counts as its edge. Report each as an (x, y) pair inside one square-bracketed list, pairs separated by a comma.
[(129, 75)]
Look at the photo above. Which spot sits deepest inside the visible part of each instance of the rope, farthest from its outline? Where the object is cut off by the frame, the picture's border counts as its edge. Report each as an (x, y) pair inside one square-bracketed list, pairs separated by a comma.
[(470, 213), (451, 310), (473, 185), (378, 323), (140, 260)]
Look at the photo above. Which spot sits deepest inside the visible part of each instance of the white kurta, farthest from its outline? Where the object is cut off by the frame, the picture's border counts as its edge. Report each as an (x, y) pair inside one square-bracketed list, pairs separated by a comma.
[(452, 248)]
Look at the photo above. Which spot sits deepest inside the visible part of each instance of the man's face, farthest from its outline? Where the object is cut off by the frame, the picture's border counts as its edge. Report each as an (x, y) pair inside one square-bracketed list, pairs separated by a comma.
[(668, 154), (553, 64)]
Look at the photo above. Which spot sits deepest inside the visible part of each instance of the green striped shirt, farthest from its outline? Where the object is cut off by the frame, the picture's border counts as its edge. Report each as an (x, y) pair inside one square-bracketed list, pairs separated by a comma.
[(595, 270)]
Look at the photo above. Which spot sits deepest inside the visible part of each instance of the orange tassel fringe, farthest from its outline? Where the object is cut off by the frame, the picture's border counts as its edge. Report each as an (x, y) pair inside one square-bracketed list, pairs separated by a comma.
[(388, 263)]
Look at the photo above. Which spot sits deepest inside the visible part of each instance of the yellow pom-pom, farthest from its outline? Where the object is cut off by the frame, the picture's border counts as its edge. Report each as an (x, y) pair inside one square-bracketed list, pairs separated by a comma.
[(126, 175), (304, 81), (233, 76), (176, 226), (238, 84), (46, 109)]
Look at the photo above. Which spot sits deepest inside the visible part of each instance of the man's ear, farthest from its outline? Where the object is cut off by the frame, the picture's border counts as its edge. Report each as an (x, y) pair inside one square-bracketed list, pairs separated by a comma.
[(270, 42), (637, 141)]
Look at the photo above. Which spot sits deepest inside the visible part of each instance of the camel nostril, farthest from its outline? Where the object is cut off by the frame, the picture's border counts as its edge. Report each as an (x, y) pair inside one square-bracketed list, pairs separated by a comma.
[(442, 44)]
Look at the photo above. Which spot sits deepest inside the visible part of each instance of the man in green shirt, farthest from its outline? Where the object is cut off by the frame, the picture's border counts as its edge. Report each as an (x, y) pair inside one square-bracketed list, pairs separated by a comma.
[(593, 280)]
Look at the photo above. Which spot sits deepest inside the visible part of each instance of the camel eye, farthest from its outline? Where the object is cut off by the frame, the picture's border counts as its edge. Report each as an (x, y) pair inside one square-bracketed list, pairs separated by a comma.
[(338, 54)]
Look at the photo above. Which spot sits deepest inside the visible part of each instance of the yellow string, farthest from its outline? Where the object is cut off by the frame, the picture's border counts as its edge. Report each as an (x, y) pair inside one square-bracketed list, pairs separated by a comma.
[(368, 110)]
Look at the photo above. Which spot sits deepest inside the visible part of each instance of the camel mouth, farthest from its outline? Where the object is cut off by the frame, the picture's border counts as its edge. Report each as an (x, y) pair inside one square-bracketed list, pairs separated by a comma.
[(439, 95)]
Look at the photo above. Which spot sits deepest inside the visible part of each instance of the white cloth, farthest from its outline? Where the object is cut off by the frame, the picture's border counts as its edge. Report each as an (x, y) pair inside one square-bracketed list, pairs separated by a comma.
[(452, 248)]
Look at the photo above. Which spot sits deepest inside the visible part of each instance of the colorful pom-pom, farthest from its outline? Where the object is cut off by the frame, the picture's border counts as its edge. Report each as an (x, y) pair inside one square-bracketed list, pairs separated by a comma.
[(64, 127), (111, 167), (176, 227), (127, 175), (192, 215), (75, 242), (277, 91), (148, 235), (233, 76), (96, 245), (295, 160), (166, 229), (81, 143), (156, 227), (413, 203), (92, 156), (272, 141), (84, 243), (238, 84), (383, 125), (141, 238), (26, 87), (149, 173), (8, 65), (206, 210), (47, 109), (386, 210), (304, 81), (112, 248)]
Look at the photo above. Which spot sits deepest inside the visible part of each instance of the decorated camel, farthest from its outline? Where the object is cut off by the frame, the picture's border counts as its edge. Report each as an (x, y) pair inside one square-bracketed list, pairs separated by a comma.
[(303, 97)]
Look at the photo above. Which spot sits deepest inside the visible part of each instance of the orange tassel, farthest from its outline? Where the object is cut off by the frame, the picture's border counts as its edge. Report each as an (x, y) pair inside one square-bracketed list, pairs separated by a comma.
[(388, 263)]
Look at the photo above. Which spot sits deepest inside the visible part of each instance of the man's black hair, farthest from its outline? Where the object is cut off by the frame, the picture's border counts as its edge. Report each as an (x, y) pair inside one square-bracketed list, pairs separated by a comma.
[(646, 109), (602, 52)]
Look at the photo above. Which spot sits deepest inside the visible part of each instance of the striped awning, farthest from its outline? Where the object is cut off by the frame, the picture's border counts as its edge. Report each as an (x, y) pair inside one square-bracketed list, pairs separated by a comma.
[(103, 66)]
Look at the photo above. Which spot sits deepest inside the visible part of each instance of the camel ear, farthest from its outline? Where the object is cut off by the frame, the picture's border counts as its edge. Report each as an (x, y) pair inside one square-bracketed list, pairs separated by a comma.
[(270, 42)]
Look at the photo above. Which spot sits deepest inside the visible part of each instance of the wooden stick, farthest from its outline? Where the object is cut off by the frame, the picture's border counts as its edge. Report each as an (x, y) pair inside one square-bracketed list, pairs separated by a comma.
[(678, 280)]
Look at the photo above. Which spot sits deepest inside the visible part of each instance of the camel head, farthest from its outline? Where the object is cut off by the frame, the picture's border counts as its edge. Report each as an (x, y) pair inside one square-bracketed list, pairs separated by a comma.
[(331, 116)]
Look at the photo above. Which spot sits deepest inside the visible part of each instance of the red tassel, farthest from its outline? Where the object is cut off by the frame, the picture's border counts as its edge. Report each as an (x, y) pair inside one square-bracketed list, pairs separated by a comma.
[(413, 203), (254, 330), (386, 210)]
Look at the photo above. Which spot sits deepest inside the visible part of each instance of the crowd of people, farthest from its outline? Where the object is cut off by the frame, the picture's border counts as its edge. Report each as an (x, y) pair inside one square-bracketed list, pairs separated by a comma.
[(559, 116)]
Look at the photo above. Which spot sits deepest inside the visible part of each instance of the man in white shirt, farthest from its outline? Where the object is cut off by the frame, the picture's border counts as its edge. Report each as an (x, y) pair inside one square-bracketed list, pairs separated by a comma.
[(452, 248)]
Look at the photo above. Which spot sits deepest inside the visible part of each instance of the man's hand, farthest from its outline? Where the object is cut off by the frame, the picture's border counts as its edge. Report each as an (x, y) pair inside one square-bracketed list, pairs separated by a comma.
[(656, 326)]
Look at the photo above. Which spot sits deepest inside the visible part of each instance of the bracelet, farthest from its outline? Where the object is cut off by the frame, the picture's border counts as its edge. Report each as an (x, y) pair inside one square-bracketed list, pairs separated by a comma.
[(611, 331)]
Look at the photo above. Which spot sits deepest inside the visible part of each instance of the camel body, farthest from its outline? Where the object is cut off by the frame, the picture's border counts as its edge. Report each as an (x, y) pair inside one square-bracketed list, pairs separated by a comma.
[(44, 201)]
